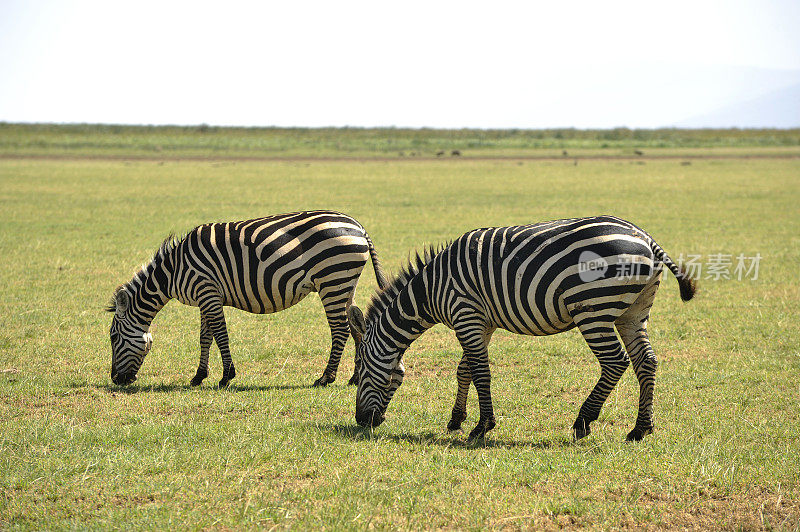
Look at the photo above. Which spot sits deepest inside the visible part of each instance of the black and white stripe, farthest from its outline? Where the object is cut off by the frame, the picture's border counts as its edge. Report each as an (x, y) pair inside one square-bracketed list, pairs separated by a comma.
[(261, 266), (598, 274)]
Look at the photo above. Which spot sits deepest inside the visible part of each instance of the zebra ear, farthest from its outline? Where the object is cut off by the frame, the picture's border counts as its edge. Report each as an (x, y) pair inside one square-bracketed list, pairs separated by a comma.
[(357, 323), (121, 301)]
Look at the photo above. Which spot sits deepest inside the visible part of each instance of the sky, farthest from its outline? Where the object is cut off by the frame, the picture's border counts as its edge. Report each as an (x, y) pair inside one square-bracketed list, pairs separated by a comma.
[(583, 64)]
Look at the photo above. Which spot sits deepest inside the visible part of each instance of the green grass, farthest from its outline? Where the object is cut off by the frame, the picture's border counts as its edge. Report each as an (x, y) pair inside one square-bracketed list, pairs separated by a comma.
[(78, 452), (81, 140)]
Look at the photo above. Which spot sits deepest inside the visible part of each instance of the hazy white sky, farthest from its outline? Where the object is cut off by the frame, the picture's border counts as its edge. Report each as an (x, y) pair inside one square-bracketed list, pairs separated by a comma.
[(431, 63)]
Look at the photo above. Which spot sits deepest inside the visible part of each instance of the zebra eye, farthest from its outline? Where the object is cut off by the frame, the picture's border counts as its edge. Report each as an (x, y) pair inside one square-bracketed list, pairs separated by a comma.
[(114, 337)]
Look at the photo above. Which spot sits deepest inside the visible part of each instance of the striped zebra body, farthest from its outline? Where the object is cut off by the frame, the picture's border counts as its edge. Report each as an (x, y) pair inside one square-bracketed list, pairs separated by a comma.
[(598, 274), (262, 266)]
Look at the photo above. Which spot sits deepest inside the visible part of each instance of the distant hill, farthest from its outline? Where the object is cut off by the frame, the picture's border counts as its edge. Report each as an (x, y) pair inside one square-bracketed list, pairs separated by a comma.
[(778, 109)]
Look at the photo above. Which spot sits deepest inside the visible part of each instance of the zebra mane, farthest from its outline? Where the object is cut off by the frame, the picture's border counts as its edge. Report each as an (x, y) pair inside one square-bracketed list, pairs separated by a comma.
[(140, 276), (381, 299)]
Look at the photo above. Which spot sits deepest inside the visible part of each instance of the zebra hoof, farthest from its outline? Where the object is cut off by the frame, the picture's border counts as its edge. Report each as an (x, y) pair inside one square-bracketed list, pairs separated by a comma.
[(353, 379), (479, 432), (323, 381), (197, 380), (580, 429), (227, 376), (456, 418), (638, 433)]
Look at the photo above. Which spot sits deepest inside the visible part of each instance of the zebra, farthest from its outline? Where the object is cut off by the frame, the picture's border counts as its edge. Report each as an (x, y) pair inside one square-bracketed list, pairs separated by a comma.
[(596, 274), (262, 266)]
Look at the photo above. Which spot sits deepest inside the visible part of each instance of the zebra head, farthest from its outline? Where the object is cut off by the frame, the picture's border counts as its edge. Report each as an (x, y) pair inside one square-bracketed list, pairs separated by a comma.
[(130, 340), (379, 375)]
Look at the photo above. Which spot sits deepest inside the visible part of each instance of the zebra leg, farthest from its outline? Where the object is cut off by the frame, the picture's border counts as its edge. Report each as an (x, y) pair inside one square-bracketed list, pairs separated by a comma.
[(206, 338), (474, 340), (336, 312), (644, 364), (605, 345), (632, 327), (464, 378), (212, 308)]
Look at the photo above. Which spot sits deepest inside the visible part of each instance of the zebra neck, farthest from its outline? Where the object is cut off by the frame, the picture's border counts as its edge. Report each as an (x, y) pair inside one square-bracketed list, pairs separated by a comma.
[(151, 289), (407, 317)]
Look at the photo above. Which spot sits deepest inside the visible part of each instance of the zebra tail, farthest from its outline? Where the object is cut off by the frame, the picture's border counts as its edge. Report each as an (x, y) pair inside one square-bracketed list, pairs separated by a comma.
[(376, 264), (688, 286)]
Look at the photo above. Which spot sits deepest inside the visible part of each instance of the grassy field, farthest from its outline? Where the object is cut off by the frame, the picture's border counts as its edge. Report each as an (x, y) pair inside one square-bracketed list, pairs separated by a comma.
[(202, 141), (78, 452)]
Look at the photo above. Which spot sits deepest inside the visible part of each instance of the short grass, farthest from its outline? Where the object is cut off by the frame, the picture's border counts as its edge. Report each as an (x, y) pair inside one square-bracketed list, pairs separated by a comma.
[(78, 452)]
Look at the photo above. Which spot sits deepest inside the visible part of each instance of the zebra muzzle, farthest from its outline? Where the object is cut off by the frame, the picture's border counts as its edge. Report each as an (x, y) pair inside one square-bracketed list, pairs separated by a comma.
[(123, 380), (371, 418)]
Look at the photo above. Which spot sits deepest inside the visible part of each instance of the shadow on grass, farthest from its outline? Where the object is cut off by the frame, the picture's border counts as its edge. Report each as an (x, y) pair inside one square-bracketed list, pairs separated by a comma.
[(166, 388), (455, 440)]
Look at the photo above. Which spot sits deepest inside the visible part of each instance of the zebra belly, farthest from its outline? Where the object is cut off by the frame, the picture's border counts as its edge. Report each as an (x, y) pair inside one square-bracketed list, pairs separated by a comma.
[(544, 310), (537, 323), (277, 301), (535, 331)]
